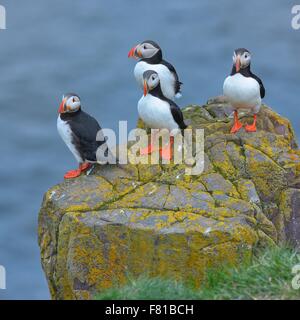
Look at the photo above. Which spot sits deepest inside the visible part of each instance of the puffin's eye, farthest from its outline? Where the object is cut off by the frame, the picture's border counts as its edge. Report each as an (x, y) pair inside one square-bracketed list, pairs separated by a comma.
[(153, 78), (74, 100), (145, 47)]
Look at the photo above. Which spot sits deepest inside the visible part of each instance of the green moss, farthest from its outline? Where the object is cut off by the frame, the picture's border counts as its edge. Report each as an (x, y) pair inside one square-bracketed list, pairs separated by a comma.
[(267, 276)]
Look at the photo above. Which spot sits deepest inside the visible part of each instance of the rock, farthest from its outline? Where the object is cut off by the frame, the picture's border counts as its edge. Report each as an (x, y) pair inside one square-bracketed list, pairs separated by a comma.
[(290, 207), (96, 230)]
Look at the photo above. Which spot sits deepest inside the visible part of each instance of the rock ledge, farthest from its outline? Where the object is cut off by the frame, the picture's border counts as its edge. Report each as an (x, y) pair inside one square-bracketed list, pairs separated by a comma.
[(97, 229)]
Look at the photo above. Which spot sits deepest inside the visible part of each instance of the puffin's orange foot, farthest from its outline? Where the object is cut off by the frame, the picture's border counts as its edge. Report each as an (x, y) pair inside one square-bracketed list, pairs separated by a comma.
[(166, 152), (76, 173), (84, 167), (72, 174), (251, 128), (147, 150), (237, 127)]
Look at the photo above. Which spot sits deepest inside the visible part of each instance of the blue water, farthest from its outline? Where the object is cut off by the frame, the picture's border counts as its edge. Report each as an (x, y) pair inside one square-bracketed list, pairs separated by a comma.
[(52, 47)]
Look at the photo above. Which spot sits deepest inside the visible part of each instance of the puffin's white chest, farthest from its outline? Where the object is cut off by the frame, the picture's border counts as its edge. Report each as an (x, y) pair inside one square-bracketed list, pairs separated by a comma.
[(167, 79), (65, 132), (156, 113), (242, 92)]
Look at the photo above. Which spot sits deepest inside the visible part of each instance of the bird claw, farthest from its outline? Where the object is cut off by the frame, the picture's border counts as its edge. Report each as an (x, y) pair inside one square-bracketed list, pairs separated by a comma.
[(76, 173), (166, 153), (84, 167), (147, 150), (72, 174), (237, 127), (250, 128)]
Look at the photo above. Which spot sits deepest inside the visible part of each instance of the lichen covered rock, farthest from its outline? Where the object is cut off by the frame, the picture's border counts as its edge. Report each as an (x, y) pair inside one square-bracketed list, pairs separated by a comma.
[(96, 230)]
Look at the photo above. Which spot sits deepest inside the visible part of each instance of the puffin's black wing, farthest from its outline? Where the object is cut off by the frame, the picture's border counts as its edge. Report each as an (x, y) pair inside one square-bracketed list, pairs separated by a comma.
[(261, 85), (85, 129), (172, 69), (177, 115)]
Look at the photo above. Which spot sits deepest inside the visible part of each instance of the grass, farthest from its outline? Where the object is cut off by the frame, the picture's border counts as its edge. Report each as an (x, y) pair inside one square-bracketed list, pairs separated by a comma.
[(267, 276)]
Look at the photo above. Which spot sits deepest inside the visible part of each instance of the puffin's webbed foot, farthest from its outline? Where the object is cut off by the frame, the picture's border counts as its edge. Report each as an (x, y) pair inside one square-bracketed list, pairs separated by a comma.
[(251, 127), (237, 127), (237, 124), (151, 147), (72, 174), (147, 150), (76, 173), (85, 166), (166, 151)]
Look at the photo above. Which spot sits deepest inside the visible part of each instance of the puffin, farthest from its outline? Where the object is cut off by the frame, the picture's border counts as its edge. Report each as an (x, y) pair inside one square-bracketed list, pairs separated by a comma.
[(159, 112), (150, 57), (79, 131), (243, 89)]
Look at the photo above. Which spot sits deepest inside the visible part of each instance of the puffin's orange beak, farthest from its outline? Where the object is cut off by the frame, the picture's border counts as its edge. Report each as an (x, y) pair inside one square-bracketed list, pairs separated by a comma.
[(131, 53), (134, 53), (238, 64), (139, 54), (145, 88), (61, 106)]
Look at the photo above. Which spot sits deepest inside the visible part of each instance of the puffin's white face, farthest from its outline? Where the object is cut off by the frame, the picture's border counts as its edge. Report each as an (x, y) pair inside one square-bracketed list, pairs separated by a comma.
[(146, 50), (151, 81), (70, 103), (143, 50), (241, 59)]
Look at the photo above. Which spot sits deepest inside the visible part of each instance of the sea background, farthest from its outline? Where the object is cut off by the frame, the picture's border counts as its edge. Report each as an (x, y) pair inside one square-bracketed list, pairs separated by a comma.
[(52, 47)]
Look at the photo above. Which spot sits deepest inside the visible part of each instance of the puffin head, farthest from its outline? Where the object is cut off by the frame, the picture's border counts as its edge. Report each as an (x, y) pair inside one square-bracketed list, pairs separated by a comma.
[(145, 50), (151, 81), (70, 103), (241, 58)]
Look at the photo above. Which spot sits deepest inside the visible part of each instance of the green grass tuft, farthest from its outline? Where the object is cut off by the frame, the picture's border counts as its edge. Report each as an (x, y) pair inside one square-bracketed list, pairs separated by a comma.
[(267, 276)]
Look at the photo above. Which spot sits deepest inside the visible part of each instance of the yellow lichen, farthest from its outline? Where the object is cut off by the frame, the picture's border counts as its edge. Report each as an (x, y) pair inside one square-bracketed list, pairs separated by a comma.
[(97, 230)]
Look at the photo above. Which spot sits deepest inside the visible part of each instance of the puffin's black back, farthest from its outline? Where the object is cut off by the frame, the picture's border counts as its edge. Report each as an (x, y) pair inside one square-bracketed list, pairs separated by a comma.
[(173, 70), (84, 132), (158, 59)]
